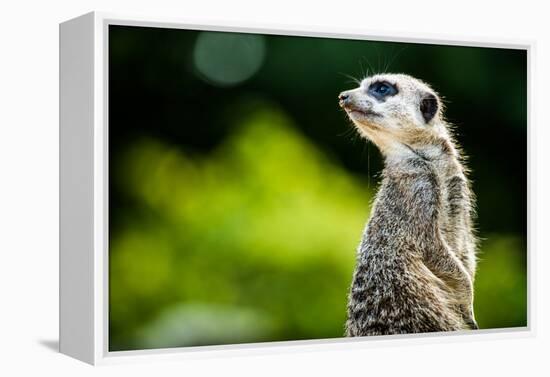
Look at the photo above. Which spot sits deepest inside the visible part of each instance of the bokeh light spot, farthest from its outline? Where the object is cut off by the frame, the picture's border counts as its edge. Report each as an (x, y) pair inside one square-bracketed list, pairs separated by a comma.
[(227, 59)]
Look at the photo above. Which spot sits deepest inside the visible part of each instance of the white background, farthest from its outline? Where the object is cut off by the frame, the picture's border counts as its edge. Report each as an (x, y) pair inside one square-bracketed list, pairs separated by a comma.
[(29, 183)]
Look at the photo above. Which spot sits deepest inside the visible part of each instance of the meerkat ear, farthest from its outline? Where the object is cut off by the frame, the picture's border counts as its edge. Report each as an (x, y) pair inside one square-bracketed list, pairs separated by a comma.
[(428, 107)]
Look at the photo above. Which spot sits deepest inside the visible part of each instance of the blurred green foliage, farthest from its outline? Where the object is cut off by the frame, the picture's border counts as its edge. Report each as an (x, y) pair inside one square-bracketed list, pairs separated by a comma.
[(237, 199), (501, 283), (253, 243)]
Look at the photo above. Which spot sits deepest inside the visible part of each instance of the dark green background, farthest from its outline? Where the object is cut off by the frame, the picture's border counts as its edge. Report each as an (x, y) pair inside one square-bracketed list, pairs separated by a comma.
[(235, 209)]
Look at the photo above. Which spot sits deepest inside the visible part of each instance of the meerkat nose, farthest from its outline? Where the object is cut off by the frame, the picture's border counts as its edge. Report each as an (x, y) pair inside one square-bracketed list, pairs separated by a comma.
[(343, 97)]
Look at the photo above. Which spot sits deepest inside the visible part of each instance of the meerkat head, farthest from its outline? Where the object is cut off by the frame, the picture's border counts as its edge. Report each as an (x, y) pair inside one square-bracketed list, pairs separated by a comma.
[(396, 112)]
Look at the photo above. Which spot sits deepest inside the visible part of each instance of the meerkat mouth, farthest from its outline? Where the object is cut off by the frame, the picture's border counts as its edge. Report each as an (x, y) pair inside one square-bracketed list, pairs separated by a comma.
[(364, 112), (363, 118), (351, 110)]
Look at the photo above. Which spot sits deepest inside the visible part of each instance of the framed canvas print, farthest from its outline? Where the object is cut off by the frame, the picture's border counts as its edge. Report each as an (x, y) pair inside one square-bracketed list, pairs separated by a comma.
[(238, 188)]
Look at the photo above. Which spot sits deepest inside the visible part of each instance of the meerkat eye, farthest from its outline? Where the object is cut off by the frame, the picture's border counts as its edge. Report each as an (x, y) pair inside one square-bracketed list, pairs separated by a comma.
[(382, 89)]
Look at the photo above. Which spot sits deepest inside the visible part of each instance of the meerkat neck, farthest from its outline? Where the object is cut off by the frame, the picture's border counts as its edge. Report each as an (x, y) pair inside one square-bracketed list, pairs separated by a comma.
[(441, 151)]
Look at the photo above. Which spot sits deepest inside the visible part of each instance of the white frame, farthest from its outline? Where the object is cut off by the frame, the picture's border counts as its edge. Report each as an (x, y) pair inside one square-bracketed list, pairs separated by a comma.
[(84, 187)]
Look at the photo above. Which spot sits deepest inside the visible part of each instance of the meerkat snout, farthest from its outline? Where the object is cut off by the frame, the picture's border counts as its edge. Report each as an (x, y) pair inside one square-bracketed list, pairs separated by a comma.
[(352, 101), (343, 97)]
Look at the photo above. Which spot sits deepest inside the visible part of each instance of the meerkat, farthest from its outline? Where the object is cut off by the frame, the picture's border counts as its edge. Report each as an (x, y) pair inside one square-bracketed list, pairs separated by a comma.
[(416, 261)]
